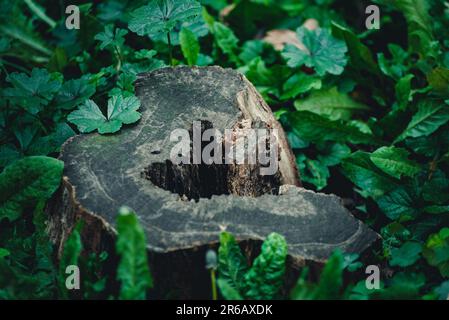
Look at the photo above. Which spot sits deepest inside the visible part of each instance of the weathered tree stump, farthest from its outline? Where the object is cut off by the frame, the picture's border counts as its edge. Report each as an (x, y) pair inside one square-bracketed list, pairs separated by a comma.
[(184, 207)]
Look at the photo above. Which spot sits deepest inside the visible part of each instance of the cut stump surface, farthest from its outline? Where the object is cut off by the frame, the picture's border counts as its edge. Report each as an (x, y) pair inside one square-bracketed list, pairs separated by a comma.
[(186, 206)]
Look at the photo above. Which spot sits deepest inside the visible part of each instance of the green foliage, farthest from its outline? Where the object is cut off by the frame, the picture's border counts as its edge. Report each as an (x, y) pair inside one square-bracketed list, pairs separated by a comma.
[(110, 39), (323, 52), (365, 112), (313, 127), (330, 103), (406, 255), (394, 161), (366, 175), (161, 16), (32, 92), (133, 271), (189, 46), (436, 251), (26, 182), (420, 34), (232, 264), (330, 284), (265, 277), (120, 111), (430, 116)]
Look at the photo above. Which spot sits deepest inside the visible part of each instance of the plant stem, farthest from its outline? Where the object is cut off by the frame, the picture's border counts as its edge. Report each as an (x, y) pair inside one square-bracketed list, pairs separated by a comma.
[(119, 58), (38, 11), (170, 54), (213, 283)]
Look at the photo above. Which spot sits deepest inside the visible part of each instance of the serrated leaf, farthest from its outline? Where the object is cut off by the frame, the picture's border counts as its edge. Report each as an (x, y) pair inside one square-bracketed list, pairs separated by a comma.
[(265, 278), (161, 16), (189, 45), (363, 173), (406, 255), (74, 92), (431, 115), (232, 264), (32, 92), (330, 103), (133, 271), (109, 38), (228, 291), (26, 182), (394, 161), (324, 53), (120, 110), (400, 204)]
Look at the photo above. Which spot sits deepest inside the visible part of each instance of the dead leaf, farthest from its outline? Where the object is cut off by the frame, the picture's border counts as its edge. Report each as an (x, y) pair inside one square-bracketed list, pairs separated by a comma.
[(280, 37)]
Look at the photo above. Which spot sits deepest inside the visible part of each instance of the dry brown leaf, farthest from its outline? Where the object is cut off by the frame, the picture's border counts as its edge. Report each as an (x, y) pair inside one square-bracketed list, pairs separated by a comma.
[(280, 37)]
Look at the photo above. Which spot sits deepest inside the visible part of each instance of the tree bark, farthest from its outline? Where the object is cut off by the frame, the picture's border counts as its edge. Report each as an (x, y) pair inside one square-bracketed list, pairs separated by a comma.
[(183, 208)]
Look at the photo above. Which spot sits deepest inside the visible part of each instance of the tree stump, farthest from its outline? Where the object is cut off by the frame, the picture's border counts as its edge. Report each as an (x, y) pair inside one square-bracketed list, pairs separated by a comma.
[(184, 207)]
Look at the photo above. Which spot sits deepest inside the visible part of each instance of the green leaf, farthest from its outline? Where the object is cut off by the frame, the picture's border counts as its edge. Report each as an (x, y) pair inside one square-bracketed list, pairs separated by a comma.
[(406, 255), (226, 40), (436, 190), (398, 66), (419, 23), (436, 251), (74, 92), (438, 79), (360, 55), (4, 253), (431, 115), (265, 278), (400, 204), (189, 45), (314, 172), (363, 173), (120, 110), (330, 284), (330, 103), (232, 264), (26, 182), (394, 161), (133, 271), (443, 291), (161, 16), (333, 154), (109, 38), (312, 127), (404, 92), (228, 291), (324, 53), (402, 286), (299, 83), (32, 92), (331, 279)]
